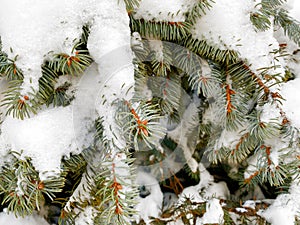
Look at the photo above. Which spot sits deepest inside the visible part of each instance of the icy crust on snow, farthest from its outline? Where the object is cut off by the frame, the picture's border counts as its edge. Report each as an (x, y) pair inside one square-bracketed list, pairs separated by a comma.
[(11, 219), (163, 10), (45, 138), (227, 24)]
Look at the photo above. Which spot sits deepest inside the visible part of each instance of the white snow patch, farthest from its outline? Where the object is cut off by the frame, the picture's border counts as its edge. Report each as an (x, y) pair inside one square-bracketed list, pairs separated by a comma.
[(291, 106), (109, 45), (214, 213), (10, 219), (285, 207), (279, 214), (242, 210), (228, 26), (295, 11), (151, 205), (43, 138), (206, 189), (229, 139), (34, 28), (163, 10), (270, 112), (86, 217), (250, 204)]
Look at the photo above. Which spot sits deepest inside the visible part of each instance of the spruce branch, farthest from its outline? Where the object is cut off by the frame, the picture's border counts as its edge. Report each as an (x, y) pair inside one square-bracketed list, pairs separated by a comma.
[(8, 67), (131, 4), (290, 26), (245, 146), (17, 105), (160, 30), (199, 9), (73, 64), (46, 84), (161, 60), (22, 188), (115, 191), (167, 94), (140, 123), (204, 50), (261, 18)]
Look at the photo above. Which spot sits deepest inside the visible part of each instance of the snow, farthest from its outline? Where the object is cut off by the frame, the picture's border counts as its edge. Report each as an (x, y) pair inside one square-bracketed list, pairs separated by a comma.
[(205, 189), (163, 10), (214, 213), (221, 27), (151, 205), (229, 139), (269, 112), (181, 133), (291, 106), (295, 9), (242, 210), (32, 32), (250, 204), (54, 26), (86, 217), (10, 219), (47, 27), (42, 138), (285, 207), (109, 45)]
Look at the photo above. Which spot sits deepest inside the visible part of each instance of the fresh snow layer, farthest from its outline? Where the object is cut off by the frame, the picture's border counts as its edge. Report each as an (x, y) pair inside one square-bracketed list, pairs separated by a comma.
[(34, 28), (151, 205), (163, 10), (206, 189), (291, 106), (214, 213), (45, 137), (52, 26), (27, 220), (285, 207), (295, 11), (109, 45), (227, 25)]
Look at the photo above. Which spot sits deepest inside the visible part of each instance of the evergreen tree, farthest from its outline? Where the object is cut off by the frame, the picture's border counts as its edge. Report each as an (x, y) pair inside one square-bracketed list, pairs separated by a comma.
[(180, 121)]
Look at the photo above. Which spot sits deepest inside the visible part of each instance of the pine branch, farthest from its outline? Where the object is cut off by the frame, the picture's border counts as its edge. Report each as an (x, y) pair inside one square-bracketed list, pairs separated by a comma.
[(160, 30), (290, 26), (161, 61), (17, 105), (140, 123), (245, 146), (204, 50), (22, 189), (72, 64), (131, 4), (199, 9), (261, 19), (8, 67), (46, 84)]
